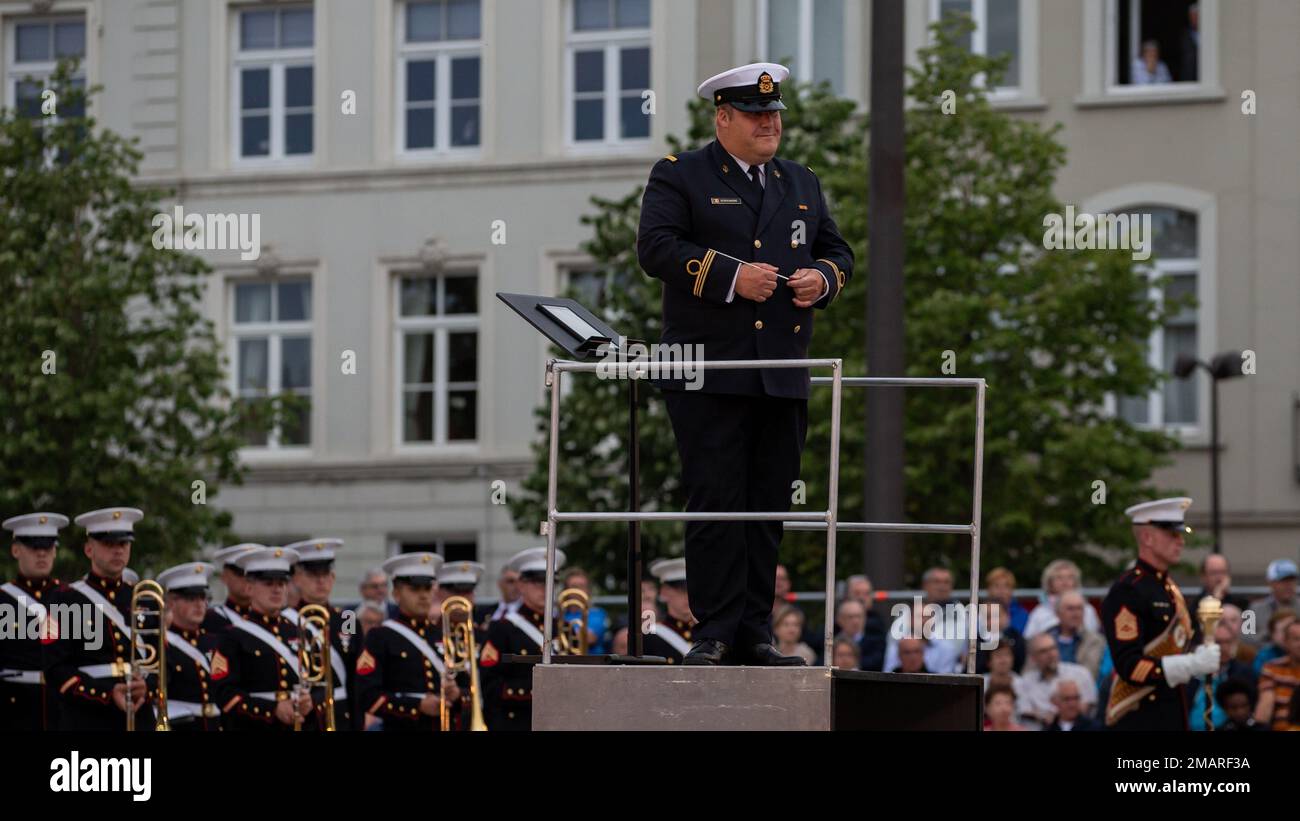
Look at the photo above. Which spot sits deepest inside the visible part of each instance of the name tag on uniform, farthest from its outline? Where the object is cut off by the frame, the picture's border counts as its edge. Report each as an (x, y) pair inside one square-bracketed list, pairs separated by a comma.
[(725, 200)]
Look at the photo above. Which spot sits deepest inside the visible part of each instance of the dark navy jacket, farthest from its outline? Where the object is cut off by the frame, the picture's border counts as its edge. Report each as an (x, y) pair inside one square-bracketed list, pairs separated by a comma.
[(699, 203)]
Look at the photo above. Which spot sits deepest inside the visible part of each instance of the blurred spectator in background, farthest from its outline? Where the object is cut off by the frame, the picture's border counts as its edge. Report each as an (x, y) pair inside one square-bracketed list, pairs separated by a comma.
[(859, 587), (1039, 680), (995, 615), (1075, 642), (598, 628), (1278, 707), (847, 654), (618, 644), (787, 628), (1067, 700), (1275, 648), (1232, 617), (1216, 581), (1000, 710), (1237, 700), (508, 587), (911, 657), (369, 615), (1190, 46), (1001, 670), (854, 620), (1229, 668), (374, 588), (941, 655), (1281, 578), (1148, 68), (1058, 577), (1001, 585)]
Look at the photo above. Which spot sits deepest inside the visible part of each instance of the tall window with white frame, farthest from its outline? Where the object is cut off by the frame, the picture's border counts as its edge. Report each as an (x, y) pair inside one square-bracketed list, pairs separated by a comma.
[(437, 350), (808, 33), (608, 59), (450, 548), (33, 48), (270, 350), (1174, 251), (996, 33), (439, 56), (274, 84)]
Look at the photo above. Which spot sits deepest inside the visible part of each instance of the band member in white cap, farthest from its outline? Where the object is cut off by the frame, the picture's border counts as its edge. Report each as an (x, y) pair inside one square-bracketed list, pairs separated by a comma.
[(218, 617), (508, 688), (746, 249), (89, 670), (313, 575), (24, 702), (255, 666), (670, 637), (460, 578), (191, 703), (401, 677), (1149, 627)]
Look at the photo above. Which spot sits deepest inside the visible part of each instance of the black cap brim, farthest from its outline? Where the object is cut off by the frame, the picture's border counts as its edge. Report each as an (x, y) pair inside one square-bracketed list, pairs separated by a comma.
[(758, 107), (37, 542), (114, 537), (270, 575)]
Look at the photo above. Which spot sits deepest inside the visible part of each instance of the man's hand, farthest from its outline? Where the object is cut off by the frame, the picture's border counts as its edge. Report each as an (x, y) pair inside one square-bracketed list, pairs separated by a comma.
[(756, 281), (139, 692), (305, 704), (450, 690), (429, 705), (119, 696), (284, 710), (808, 285)]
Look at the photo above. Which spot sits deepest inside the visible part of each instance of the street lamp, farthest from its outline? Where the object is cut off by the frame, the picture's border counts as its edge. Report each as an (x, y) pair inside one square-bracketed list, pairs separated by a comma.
[(1225, 365)]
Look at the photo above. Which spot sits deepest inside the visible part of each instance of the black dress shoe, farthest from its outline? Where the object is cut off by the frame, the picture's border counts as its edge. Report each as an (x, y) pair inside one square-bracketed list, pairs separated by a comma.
[(766, 655), (706, 651)]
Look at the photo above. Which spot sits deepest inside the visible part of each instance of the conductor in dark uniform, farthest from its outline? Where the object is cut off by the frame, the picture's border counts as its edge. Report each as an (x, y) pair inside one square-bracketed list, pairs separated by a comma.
[(1149, 627), (25, 704), (746, 248), (508, 687), (191, 700)]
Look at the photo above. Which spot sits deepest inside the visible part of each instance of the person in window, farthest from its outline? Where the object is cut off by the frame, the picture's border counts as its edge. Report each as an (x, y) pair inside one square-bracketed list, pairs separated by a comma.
[(1189, 66), (1149, 69)]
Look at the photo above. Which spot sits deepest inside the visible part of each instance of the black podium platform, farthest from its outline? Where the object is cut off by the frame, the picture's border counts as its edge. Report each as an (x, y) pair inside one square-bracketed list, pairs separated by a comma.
[(614, 697)]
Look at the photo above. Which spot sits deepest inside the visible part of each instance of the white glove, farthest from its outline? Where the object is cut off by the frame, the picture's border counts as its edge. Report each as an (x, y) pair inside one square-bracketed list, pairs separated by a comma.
[(1183, 668)]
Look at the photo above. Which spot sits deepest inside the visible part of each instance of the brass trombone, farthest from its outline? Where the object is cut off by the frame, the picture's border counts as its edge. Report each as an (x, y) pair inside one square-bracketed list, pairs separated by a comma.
[(573, 632), (460, 654), (147, 602), (314, 658)]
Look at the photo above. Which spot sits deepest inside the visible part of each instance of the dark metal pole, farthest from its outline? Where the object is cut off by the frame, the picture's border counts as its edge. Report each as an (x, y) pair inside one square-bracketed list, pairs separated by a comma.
[(1214, 462), (883, 482)]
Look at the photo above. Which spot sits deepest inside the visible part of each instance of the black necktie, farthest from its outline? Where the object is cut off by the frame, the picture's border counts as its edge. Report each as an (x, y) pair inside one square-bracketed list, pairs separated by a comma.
[(754, 174)]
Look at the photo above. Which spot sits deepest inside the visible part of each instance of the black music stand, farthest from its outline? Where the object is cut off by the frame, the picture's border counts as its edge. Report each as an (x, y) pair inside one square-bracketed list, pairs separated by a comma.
[(581, 334)]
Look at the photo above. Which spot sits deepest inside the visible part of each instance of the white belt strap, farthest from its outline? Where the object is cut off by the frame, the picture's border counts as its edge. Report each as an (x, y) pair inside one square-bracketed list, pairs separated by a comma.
[(21, 677), (420, 644), (97, 670)]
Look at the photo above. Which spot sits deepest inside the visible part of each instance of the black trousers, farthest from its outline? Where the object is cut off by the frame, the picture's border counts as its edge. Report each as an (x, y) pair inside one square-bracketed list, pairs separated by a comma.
[(738, 453)]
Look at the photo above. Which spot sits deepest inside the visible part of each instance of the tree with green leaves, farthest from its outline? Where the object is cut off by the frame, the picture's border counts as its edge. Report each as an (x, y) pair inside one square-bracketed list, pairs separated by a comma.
[(1054, 332), (111, 378)]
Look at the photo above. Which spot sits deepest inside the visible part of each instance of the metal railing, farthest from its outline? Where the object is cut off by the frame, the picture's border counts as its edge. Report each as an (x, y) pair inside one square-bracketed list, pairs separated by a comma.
[(827, 520)]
